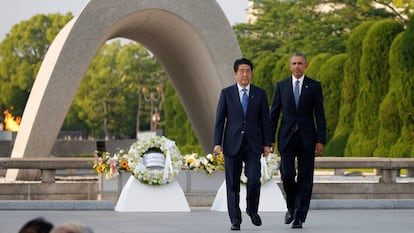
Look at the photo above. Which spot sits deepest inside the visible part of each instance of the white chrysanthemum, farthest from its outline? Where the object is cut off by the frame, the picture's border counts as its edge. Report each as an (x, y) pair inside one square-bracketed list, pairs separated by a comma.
[(149, 175)]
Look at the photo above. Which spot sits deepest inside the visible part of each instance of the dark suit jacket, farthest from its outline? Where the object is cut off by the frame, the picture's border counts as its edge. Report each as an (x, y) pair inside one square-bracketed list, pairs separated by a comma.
[(231, 125), (309, 117)]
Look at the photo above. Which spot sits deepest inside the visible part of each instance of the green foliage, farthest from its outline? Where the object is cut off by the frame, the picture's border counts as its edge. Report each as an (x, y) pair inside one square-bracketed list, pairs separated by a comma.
[(262, 75), (389, 117), (178, 127), (315, 65), (117, 75), (399, 9), (349, 92), (281, 70), (287, 26), (21, 54), (401, 68), (373, 86), (376, 99), (331, 75)]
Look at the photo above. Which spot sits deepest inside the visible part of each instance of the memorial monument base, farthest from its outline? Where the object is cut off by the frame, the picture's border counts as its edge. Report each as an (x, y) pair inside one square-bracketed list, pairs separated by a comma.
[(271, 198), (139, 197)]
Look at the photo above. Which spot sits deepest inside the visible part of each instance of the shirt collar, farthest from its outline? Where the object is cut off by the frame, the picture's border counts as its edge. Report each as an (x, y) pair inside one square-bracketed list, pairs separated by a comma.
[(300, 80), (241, 88)]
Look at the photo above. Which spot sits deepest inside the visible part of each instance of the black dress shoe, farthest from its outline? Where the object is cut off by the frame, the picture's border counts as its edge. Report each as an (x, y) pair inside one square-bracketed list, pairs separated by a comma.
[(288, 217), (256, 220), (235, 227), (297, 223)]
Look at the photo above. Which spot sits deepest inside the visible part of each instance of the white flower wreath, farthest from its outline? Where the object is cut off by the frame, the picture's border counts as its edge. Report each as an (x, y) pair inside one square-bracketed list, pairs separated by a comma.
[(150, 175), (269, 168)]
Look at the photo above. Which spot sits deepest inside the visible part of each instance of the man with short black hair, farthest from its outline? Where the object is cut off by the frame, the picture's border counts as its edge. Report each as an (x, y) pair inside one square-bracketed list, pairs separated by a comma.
[(242, 127)]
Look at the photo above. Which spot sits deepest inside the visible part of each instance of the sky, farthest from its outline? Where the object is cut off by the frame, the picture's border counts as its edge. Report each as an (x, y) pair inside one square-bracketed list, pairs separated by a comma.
[(14, 11)]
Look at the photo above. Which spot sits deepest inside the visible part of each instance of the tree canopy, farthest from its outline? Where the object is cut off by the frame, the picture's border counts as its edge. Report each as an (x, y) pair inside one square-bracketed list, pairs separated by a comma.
[(362, 61), (21, 54)]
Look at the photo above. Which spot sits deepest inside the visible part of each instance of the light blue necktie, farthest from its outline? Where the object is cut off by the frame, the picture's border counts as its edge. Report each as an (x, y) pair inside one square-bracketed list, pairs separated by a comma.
[(245, 100), (296, 93)]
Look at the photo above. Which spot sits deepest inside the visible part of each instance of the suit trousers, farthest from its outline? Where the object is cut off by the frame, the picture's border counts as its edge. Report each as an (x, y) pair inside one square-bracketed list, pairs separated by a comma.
[(233, 170), (297, 184)]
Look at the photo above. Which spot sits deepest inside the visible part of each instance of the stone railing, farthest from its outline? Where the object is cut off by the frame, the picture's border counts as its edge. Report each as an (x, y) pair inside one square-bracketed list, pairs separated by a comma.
[(47, 166), (385, 183), (195, 186), (48, 187), (387, 168)]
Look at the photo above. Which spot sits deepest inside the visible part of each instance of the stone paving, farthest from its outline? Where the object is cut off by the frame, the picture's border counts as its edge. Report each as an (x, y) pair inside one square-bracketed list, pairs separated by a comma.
[(325, 216), (206, 221)]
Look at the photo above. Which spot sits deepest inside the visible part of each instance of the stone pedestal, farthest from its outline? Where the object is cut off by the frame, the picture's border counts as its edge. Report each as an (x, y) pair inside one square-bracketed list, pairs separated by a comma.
[(200, 181), (139, 197), (271, 198)]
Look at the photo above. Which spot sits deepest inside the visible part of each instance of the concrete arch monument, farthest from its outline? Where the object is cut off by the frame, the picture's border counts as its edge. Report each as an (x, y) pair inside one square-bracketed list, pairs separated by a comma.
[(192, 39)]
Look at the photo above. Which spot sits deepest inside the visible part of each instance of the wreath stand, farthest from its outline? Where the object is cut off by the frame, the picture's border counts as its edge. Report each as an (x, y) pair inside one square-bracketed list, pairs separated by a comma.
[(139, 197), (271, 198)]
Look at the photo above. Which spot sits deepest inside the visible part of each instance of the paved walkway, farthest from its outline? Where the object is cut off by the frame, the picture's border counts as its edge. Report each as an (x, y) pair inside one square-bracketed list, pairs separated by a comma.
[(325, 216), (201, 220)]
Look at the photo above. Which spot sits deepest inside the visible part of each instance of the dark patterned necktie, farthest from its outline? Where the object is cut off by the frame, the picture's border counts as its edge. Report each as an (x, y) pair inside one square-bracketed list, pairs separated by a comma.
[(296, 93)]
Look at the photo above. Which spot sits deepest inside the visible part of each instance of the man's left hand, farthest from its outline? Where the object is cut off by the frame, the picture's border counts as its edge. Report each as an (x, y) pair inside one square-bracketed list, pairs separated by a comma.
[(319, 149)]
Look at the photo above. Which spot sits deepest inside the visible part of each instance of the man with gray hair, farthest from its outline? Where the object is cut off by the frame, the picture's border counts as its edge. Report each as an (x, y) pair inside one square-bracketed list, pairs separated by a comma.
[(301, 136)]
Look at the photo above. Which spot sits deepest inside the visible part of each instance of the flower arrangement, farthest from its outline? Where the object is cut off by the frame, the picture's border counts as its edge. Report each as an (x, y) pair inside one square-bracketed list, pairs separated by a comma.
[(135, 161), (110, 165), (209, 163), (269, 168), (150, 175)]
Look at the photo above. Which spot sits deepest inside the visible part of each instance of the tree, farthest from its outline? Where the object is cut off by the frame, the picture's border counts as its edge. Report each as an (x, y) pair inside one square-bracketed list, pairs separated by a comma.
[(315, 65), (349, 92), (331, 76), (21, 54), (400, 9), (389, 118), (107, 100), (262, 74), (178, 127), (401, 60), (309, 26), (281, 70), (374, 70), (141, 71)]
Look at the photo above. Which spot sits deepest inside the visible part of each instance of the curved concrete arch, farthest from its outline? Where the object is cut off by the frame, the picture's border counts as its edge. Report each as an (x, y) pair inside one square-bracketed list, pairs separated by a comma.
[(192, 39)]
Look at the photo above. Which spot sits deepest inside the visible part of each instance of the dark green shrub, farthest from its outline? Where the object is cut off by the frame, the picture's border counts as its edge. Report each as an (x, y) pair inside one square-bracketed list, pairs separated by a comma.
[(331, 76), (336, 146), (374, 70)]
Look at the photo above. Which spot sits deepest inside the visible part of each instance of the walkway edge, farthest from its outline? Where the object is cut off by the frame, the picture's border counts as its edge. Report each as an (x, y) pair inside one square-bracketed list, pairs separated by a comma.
[(362, 204), (318, 204)]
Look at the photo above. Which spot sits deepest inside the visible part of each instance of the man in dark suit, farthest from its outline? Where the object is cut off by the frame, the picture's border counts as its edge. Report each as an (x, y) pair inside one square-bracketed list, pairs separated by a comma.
[(301, 136), (242, 127)]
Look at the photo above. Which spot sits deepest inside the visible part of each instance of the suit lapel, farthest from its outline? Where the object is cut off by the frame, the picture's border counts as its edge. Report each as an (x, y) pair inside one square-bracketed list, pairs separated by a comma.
[(289, 87), (236, 98), (305, 87), (251, 96)]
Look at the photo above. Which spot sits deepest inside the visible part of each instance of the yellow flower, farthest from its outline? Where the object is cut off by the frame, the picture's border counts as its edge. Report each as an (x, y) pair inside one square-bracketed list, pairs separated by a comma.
[(100, 168), (191, 160), (124, 165)]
